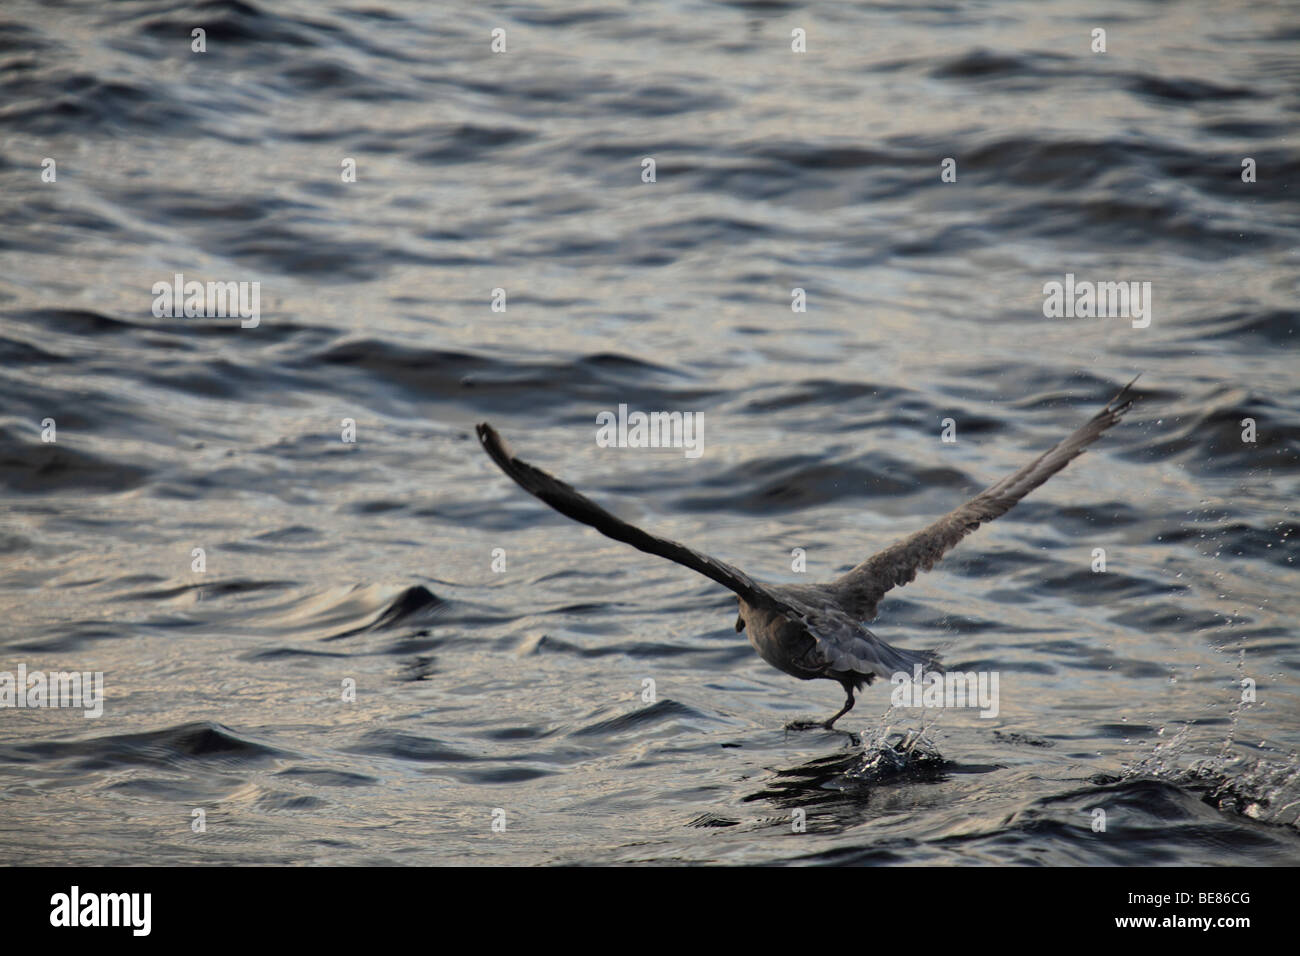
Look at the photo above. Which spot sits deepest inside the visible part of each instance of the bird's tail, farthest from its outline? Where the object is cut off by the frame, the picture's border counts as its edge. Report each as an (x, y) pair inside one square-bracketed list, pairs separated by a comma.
[(900, 660)]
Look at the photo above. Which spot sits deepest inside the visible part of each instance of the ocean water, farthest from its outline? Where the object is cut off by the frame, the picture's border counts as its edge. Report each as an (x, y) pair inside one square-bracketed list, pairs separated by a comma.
[(349, 680)]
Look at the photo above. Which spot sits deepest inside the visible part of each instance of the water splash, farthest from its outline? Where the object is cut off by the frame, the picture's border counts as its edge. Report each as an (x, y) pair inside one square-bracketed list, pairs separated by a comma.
[(1263, 789), (888, 753)]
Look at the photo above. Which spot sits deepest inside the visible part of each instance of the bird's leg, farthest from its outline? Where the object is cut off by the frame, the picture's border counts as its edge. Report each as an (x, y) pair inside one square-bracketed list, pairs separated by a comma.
[(848, 706)]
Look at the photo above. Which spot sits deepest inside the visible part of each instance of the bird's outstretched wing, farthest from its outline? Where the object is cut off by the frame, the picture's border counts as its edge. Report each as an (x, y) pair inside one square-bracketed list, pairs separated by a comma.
[(566, 499), (860, 590)]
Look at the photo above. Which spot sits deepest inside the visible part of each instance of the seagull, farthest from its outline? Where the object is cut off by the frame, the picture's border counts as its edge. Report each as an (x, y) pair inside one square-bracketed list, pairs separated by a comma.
[(815, 631)]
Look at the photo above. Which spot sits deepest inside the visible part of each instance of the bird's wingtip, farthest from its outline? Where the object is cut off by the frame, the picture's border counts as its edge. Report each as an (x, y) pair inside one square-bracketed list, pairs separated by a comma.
[(494, 444), (1124, 399)]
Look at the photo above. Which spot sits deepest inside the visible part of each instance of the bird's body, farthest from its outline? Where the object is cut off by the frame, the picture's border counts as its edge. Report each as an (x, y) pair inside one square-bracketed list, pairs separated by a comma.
[(783, 643), (845, 651), (821, 639), (818, 630)]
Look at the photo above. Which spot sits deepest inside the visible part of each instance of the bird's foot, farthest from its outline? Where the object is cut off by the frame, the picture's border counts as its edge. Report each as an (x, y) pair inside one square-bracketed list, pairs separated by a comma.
[(812, 725), (822, 725), (806, 725)]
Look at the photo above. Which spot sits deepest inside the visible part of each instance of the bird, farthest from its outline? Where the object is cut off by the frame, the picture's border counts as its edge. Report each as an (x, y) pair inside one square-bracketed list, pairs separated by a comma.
[(818, 631)]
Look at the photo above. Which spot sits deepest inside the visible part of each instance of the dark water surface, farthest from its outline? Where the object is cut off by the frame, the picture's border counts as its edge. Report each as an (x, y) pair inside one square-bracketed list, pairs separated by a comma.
[(522, 691)]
